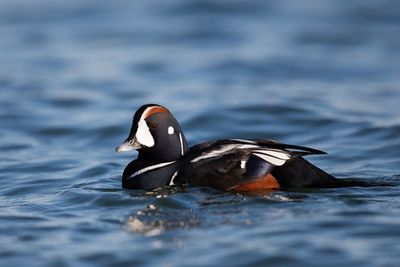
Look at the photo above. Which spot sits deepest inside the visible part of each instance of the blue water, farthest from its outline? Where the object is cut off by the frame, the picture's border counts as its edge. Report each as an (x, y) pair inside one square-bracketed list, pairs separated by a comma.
[(324, 74)]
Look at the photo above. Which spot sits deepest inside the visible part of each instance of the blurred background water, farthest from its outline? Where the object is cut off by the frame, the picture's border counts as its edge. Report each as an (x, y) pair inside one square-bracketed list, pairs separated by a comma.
[(323, 74)]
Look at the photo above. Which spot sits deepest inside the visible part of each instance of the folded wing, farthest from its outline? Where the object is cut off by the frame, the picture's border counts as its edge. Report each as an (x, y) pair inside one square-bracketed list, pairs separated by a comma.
[(225, 164)]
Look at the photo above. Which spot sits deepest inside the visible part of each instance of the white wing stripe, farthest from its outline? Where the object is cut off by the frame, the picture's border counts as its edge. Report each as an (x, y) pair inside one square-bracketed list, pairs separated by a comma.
[(149, 168), (214, 153), (244, 141), (272, 160), (247, 146), (276, 154)]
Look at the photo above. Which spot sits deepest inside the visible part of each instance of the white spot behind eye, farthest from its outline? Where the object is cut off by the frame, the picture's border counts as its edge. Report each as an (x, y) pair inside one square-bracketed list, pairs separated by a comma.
[(171, 130)]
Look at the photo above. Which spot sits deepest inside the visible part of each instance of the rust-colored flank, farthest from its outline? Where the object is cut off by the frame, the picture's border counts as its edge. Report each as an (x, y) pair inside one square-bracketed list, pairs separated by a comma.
[(152, 110), (267, 183)]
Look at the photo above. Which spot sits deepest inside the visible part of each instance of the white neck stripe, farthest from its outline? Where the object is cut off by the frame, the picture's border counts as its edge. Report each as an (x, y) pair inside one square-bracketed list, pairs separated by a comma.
[(181, 141), (149, 168)]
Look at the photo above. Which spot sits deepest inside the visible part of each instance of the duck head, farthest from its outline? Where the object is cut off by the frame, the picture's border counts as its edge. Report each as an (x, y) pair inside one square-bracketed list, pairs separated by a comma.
[(156, 134)]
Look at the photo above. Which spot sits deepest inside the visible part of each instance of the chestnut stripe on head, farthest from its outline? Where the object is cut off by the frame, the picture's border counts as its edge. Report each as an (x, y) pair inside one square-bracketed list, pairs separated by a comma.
[(143, 134), (152, 110)]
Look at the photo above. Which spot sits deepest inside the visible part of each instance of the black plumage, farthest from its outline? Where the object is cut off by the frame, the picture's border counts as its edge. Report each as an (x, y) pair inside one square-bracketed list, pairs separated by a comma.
[(165, 159)]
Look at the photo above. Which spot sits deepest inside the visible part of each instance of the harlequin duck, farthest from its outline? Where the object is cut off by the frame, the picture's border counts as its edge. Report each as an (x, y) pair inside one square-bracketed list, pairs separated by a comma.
[(233, 164)]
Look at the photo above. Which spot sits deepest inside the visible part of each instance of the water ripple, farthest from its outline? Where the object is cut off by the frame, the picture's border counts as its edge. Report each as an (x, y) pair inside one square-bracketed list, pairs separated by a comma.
[(313, 73)]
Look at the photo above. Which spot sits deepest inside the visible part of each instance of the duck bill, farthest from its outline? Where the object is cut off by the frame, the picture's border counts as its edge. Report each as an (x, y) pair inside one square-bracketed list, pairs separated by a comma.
[(128, 145)]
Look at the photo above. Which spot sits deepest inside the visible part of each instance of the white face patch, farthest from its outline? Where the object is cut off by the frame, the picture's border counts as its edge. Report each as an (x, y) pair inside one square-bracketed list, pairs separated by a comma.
[(143, 135), (171, 130)]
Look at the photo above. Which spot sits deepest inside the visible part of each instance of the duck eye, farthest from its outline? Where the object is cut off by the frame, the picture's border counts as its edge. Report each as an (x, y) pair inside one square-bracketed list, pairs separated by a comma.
[(153, 125)]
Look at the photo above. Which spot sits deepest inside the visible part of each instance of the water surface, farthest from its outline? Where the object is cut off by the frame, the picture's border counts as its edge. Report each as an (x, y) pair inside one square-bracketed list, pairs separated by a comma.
[(323, 74)]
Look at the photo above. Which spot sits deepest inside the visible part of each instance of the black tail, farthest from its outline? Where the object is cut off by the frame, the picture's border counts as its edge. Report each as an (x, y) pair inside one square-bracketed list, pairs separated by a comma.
[(299, 173)]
